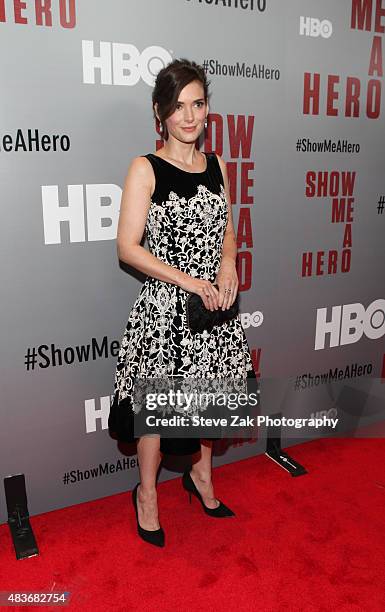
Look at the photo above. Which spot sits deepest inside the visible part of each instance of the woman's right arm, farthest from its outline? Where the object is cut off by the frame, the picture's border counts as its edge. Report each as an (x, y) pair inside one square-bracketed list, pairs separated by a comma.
[(134, 207)]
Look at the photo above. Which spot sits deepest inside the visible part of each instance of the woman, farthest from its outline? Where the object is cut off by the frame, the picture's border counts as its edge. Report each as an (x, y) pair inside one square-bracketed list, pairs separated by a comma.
[(174, 195)]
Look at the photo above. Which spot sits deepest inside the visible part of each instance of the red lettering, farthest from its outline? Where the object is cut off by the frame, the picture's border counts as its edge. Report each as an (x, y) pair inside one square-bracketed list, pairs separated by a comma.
[(233, 180), (244, 270), (338, 210), (361, 12), (323, 183), (349, 210), (346, 260), (43, 12), (332, 262), (240, 138), (307, 263), (320, 263), (246, 183), (256, 359), (347, 241), (216, 122), (353, 89), (373, 102), (334, 183), (342, 211), (352, 96), (361, 16), (67, 19), (375, 63), (244, 233), (18, 6), (380, 12), (326, 267), (330, 266), (348, 180), (43, 7), (310, 184), (332, 95), (311, 93)]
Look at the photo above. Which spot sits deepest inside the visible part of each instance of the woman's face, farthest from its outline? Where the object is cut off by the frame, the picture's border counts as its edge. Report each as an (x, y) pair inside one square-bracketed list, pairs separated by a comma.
[(191, 112)]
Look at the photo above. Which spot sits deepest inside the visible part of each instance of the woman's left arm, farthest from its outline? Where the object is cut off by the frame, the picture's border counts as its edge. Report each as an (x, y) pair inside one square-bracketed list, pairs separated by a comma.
[(227, 277)]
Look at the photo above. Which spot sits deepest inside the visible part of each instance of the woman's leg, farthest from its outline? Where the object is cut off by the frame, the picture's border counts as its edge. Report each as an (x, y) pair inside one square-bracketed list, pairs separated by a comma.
[(201, 475), (149, 460)]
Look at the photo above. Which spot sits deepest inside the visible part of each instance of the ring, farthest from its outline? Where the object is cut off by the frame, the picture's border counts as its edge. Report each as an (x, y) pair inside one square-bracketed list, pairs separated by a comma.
[(227, 290)]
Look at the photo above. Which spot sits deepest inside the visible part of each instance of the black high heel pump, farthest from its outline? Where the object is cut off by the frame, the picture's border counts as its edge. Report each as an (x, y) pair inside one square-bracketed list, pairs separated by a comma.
[(221, 511), (152, 537)]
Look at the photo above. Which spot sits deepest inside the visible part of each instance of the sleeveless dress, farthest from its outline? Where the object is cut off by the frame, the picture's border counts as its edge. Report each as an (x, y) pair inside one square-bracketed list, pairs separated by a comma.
[(185, 228)]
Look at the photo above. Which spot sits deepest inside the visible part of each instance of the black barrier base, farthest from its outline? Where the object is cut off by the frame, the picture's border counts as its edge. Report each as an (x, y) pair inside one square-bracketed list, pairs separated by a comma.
[(18, 517), (275, 452)]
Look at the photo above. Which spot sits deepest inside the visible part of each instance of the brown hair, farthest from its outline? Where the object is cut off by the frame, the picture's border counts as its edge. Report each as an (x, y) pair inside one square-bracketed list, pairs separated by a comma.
[(170, 81)]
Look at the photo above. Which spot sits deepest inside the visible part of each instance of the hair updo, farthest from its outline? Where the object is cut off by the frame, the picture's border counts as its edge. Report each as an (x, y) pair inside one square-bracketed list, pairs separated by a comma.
[(170, 81)]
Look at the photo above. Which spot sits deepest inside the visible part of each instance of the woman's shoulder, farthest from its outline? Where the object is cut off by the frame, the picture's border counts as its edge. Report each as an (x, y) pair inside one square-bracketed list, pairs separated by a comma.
[(140, 170), (141, 164)]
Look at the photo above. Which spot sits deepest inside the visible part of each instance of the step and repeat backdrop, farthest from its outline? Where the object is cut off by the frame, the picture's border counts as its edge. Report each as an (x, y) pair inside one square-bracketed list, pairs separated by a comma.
[(296, 110)]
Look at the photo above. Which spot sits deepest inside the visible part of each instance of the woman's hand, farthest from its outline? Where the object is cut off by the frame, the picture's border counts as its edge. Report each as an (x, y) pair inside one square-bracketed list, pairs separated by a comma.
[(227, 281), (204, 289)]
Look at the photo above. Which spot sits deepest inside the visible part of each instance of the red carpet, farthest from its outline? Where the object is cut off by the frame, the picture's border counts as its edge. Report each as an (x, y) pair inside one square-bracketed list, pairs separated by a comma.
[(313, 543)]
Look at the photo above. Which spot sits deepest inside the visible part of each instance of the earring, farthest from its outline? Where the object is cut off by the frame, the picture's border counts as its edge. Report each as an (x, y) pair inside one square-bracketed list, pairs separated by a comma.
[(161, 127), (206, 123)]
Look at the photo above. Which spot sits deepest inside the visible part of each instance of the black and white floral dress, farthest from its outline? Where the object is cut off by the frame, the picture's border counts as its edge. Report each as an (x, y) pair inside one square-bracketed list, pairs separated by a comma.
[(185, 227)]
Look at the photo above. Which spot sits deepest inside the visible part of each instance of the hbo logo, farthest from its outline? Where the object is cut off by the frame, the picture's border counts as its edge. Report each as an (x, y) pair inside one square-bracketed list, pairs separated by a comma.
[(349, 322), (311, 26), (122, 63), (329, 414), (253, 319)]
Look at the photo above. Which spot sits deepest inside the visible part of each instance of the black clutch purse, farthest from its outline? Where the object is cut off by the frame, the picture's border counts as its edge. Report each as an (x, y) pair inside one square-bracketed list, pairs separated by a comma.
[(199, 318)]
